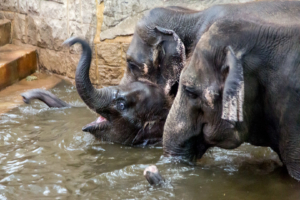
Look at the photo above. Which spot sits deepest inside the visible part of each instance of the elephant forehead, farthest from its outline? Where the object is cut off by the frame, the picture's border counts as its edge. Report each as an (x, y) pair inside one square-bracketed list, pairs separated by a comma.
[(206, 41), (189, 79), (145, 33), (138, 50), (203, 43), (140, 91), (195, 77)]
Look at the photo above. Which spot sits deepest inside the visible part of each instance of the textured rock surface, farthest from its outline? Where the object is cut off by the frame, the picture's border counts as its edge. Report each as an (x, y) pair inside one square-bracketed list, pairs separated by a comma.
[(32, 28), (75, 10), (51, 9), (33, 7), (61, 63), (23, 6), (19, 27), (120, 16), (16, 63), (85, 31), (89, 12), (51, 33), (110, 53), (110, 75), (9, 5), (58, 62), (5, 28), (7, 15)]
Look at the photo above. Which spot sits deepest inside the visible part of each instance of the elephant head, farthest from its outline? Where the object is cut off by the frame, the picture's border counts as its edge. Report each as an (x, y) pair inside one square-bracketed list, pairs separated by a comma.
[(131, 114), (208, 109), (156, 51)]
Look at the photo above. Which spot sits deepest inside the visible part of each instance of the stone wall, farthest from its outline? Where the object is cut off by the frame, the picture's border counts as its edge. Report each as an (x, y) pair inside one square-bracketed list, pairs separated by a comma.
[(46, 24), (107, 25)]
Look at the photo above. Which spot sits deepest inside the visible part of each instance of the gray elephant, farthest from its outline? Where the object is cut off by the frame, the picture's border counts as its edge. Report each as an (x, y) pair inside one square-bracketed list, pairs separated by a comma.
[(141, 133), (242, 85), (165, 38), (132, 114), (157, 53)]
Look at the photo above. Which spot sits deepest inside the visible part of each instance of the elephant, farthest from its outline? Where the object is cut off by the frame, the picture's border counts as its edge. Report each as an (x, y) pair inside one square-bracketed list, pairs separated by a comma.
[(241, 85), (45, 96), (149, 134), (165, 38), (132, 114), (162, 45)]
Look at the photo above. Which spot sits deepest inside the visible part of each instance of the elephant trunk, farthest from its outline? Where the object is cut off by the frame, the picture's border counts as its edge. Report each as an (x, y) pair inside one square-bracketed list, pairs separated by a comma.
[(93, 98), (183, 135), (45, 96)]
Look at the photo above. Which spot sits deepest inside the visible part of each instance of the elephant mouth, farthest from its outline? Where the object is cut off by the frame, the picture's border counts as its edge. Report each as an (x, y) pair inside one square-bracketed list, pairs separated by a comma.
[(189, 150), (100, 123)]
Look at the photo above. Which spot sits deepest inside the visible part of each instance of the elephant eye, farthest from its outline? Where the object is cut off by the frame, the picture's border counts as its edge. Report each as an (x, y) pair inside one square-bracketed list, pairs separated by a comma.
[(120, 106), (190, 92)]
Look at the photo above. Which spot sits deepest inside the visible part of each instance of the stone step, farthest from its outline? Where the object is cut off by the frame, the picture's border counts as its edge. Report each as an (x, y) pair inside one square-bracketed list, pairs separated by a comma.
[(16, 63), (5, 32)]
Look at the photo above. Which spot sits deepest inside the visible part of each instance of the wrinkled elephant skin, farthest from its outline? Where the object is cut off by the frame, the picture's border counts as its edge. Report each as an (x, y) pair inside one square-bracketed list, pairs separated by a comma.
[(162, 45), (132, 114), (241, 85), (165, 38)]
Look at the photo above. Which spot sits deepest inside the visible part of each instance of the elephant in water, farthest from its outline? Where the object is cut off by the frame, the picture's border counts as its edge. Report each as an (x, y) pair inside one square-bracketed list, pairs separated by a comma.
[(131, 114), (137, 122), (241, 85), (162, 45)]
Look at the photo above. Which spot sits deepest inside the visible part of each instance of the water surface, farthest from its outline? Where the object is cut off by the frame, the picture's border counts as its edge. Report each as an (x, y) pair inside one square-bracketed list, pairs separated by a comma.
[(45, 155)]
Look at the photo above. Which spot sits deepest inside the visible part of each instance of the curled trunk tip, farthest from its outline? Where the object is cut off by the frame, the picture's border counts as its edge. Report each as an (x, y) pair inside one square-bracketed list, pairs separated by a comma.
[(93, 98)]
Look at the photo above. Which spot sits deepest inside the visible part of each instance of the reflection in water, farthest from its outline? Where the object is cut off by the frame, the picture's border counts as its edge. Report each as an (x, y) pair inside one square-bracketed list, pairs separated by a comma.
[(44, 154)]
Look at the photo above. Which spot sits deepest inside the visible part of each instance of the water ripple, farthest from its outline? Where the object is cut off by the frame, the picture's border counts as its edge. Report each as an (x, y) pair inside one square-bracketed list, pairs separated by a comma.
[(44, 154)]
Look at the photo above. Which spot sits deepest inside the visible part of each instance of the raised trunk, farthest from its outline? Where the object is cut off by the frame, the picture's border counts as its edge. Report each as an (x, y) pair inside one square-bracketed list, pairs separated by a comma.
[(94, 99)]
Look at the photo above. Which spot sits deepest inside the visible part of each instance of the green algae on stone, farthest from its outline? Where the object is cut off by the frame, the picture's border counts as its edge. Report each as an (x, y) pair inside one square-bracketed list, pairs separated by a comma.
[(31, 78)]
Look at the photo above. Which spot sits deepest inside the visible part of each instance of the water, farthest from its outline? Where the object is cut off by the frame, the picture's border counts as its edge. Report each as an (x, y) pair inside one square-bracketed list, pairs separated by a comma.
[(45, 155)]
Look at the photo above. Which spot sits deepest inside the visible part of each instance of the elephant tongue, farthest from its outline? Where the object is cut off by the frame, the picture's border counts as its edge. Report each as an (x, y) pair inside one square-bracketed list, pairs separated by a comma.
[(100, 119), (92, 126)]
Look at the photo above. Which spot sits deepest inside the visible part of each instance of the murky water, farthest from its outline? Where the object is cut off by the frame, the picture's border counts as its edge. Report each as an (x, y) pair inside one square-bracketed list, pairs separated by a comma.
[(45, 155)]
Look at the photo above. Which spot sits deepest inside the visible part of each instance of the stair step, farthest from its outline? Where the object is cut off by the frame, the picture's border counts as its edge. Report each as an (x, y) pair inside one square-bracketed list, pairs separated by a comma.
[(5, 29), (16, 63)]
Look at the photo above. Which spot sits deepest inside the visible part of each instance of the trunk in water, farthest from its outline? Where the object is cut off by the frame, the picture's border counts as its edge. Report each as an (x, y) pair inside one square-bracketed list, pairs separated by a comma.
[(94, 99), (45, 96)]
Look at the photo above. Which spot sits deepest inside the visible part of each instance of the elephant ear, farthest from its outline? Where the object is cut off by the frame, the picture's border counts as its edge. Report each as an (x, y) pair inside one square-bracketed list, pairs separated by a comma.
[(180, 48), (233, 93), (177, 56)]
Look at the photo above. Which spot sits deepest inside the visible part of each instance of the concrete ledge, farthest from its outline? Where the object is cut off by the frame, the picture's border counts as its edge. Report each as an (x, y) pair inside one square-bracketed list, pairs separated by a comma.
[(16, 63), (5, 28)]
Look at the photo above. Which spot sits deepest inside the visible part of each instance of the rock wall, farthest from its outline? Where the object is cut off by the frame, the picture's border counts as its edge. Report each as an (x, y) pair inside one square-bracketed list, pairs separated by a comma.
[(46, 24), (106, 24)]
